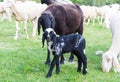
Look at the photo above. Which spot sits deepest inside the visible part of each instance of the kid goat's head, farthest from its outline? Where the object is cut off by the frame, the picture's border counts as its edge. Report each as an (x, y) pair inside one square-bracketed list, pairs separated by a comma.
[(48, 35)]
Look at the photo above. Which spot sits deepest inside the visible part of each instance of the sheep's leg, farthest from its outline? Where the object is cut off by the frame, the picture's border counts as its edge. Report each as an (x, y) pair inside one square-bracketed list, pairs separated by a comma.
[(85, 21), (88, 21), (62, 59), (34, 28), (93, 21), (71, 57), (53, 63), (101, 20), (3, 17), (8, 14), (48, 58), (17, 28), (25, 28), (98, 18)]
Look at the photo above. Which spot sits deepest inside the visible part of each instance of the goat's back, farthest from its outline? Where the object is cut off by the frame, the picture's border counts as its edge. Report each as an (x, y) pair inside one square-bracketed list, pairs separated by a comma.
[(68, 18)]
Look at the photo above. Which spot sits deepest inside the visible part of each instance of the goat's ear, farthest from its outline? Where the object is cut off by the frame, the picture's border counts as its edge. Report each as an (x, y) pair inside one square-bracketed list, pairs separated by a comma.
[(39, 23), (43, 40), (53, 22)]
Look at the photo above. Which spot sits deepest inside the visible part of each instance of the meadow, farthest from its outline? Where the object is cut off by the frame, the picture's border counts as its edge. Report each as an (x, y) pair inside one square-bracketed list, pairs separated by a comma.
[(23, 60)]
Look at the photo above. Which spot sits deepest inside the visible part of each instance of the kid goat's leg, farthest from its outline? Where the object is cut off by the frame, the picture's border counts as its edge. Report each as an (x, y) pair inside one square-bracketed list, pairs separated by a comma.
[(48, 58), (84, 60), (71, 57), (53, 63), (57, 66), (62, 59), (79, 63)]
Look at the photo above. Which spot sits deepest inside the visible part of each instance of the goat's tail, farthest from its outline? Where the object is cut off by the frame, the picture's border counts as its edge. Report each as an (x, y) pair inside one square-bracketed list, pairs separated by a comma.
[(99, 52), (39, 23)]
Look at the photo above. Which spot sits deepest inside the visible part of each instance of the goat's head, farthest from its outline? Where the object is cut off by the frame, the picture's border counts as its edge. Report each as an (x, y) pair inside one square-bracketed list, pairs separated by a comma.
[(47, 21), (106, 61), (48, 35)]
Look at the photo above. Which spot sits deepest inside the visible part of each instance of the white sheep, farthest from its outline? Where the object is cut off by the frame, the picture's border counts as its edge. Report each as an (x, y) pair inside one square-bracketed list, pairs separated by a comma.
[(101, 11), (109, 13), (5, 12), (89, 13), (110, 58), (26, 11)]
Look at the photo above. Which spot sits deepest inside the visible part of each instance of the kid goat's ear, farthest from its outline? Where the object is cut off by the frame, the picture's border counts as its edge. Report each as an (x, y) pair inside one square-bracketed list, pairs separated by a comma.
[(43, 40)]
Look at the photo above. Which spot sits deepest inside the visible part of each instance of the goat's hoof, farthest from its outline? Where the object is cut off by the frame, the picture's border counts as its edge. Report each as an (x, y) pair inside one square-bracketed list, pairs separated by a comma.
[(47, 63), (48, 75), (79, 70), (58, 71), (84, 72)]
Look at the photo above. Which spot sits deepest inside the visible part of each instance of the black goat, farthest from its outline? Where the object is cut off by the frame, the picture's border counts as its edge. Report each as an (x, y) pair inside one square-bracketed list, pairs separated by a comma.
[(64, 19), (74, 43)]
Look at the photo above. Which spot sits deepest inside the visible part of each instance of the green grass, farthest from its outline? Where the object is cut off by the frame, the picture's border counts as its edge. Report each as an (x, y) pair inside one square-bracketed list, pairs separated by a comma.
[(24, 60)]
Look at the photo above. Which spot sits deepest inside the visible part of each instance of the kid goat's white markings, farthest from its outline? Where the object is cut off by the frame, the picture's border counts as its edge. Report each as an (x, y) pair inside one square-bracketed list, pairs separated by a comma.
[(50, 30), (49, 46), (78, 41)]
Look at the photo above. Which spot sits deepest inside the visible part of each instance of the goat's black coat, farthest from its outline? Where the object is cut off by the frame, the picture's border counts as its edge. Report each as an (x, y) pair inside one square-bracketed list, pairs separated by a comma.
[(74, 43), (64, 19), (48, 2)]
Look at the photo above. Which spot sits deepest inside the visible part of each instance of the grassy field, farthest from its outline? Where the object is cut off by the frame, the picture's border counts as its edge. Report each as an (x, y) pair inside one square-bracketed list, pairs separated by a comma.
[(24, 60)]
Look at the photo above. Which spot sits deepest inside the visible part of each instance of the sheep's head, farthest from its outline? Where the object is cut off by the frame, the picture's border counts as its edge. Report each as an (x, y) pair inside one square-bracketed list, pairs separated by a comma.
[(47, 21), (48, 35), (106, 62)]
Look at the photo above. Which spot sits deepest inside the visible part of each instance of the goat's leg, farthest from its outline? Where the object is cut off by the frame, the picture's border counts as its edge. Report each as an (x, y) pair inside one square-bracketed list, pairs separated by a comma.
[(53, 63), (25, 28), (71, 57), (84, 60), (62, 59), (17, 28), (79, 63), (48, 58)]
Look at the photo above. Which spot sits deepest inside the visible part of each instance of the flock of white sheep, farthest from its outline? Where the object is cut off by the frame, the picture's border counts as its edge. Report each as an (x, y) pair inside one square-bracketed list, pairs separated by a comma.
[(103, 13), (24, 11), (31, 10)]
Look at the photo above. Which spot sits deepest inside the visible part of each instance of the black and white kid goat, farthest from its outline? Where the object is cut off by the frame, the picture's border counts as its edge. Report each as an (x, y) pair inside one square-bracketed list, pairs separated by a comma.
[(74, 43)]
